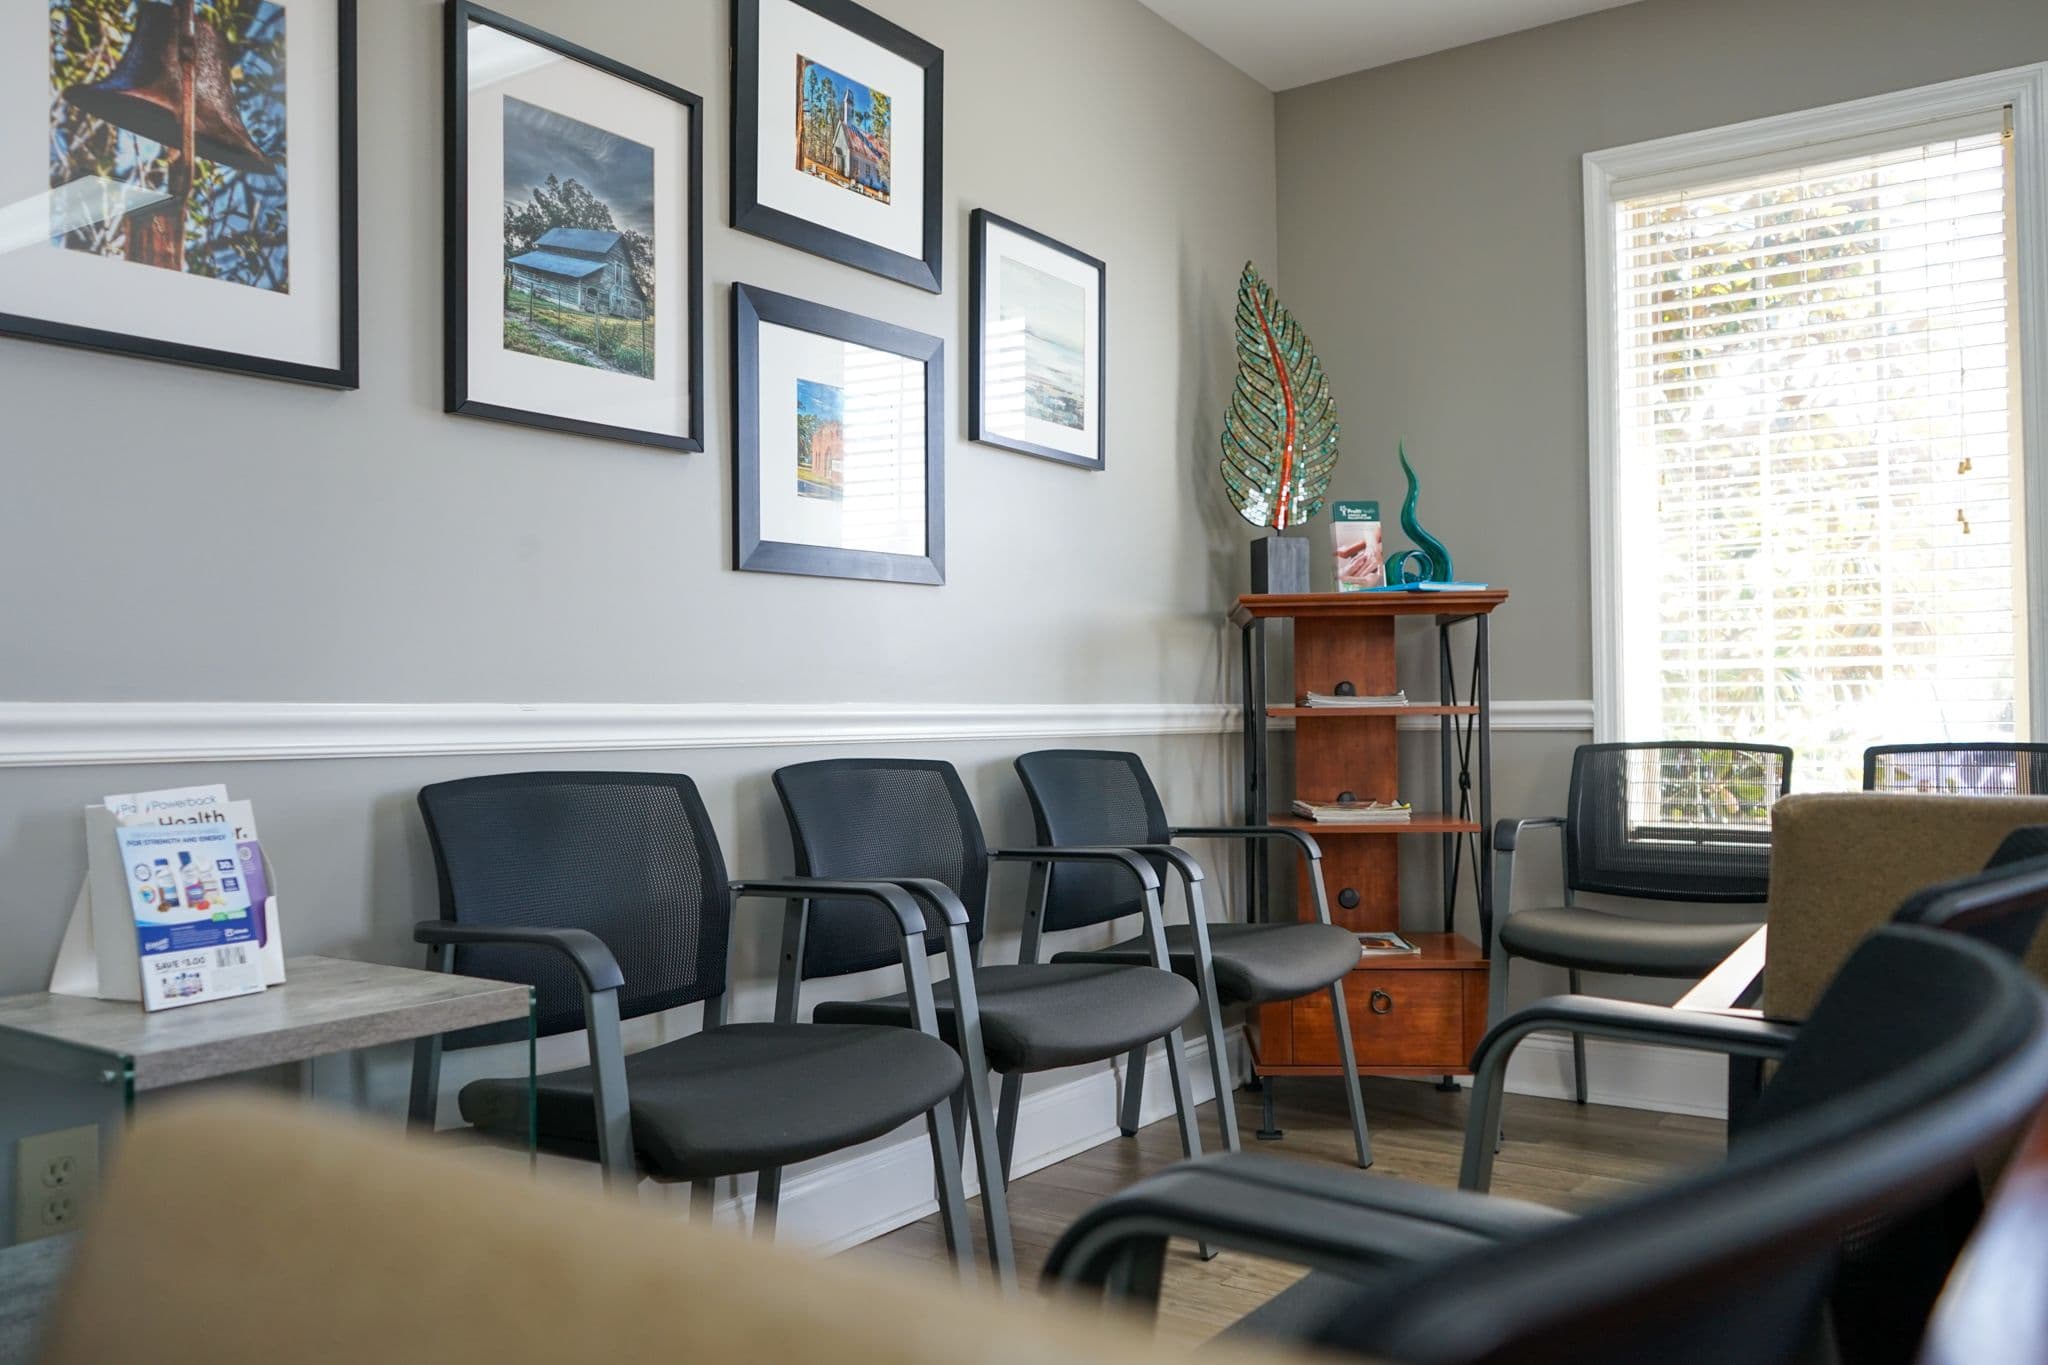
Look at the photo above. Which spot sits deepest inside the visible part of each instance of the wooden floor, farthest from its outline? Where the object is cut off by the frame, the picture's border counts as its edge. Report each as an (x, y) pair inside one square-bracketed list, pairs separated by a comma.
[(1556, 1153)]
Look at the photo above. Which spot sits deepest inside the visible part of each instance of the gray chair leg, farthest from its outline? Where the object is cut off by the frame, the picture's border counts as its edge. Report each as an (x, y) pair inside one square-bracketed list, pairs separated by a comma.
[(767, 1200), (1183, 1094), (1361, 1139), (702, 1195), (1184, 1109), (1131, 1117), (1269, 1127), (992, 1167), (1006, 1122), (1578, 1045), (952, 1192), (1219, 1069), (1497, 996)]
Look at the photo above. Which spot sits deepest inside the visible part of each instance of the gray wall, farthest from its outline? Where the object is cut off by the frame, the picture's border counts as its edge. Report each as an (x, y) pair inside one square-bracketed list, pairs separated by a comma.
[(386, 552), (1431, 243)]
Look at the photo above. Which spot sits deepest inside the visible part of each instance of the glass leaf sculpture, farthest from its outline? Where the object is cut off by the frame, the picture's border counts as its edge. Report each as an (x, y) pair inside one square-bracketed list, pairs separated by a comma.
[(1280, 433)]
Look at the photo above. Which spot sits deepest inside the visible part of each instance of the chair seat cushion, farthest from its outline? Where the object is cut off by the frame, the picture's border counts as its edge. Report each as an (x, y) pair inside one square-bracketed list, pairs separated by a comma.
[(1038, 1016), (1254, 962), (739, 1098), (1576, 936)]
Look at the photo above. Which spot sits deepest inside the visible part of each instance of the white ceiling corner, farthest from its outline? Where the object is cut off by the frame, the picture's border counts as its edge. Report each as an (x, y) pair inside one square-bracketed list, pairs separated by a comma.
[(1285, 43)]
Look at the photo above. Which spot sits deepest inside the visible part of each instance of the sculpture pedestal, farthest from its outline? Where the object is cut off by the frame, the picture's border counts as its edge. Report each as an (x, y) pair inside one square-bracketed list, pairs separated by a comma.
[(1280, 564)]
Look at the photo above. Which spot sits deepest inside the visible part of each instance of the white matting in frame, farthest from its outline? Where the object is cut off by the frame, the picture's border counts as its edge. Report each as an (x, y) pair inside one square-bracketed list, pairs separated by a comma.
[(512, 78), (1040, 365), (289, 314), (875, 499), (790, 32)]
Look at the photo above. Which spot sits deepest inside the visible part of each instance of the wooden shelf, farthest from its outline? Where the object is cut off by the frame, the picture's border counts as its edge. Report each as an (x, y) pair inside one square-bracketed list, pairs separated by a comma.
[(1361, 605), (1364, 712), (1421, 822), (1439, 952)]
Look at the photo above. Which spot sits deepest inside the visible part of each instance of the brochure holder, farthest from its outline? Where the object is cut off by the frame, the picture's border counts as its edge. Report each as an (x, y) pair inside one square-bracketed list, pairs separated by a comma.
[(97, 958)]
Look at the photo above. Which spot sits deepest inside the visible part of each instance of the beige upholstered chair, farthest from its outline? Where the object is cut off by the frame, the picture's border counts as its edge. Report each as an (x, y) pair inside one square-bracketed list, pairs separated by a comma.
[(1842, 862), (236, 1231)]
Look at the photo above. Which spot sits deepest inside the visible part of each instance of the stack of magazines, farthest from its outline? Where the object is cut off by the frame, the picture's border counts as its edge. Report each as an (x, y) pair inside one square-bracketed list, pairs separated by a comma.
[(1385, 943), (1325, 699), (1354, 812)]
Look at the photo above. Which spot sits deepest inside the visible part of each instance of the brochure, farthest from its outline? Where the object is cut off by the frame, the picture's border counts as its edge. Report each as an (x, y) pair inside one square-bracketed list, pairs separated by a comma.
[(193, 928), (1355, 541)]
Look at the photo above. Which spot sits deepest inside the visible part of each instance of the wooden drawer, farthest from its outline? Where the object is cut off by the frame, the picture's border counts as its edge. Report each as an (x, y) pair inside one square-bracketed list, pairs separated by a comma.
[(1405, 1017)]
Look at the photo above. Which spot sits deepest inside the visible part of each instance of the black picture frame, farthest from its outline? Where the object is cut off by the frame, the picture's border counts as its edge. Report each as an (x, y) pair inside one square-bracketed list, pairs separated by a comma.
[(347, 373), (752, 306), (459, 15), (977, 293), (749, 214)]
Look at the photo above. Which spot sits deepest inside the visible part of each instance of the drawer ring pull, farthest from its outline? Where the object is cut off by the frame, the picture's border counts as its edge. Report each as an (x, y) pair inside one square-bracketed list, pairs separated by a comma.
[(1382, 1003)]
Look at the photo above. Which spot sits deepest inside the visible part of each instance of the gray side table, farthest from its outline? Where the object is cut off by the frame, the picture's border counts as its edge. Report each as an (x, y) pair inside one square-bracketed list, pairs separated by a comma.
[(67, 1062)]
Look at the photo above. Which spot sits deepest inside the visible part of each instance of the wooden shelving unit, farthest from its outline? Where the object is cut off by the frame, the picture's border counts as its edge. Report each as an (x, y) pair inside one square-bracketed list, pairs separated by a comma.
[(1416, 1015)]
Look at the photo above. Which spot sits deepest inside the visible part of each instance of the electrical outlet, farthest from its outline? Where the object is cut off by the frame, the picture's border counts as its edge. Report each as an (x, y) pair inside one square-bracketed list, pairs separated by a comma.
[(55, 1175)]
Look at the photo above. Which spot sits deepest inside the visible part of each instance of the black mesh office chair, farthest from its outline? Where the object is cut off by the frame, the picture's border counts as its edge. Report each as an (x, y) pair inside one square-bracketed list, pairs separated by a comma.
[(606, 893), (1961, 769), (910, 821), (1665, 821), (1927, 1052), (1889, 1273), (1095, 796)]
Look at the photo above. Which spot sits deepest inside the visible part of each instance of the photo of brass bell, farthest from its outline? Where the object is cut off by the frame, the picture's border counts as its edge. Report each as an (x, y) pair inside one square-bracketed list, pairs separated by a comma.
[(142, 96)]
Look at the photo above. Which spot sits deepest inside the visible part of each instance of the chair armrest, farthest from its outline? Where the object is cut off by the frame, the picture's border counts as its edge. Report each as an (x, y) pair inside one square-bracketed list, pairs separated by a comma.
[(1139, 868), (1507, 833), (1300, 838), (1591, 1016), (593, 961), (889, 895), (1313, 1216)]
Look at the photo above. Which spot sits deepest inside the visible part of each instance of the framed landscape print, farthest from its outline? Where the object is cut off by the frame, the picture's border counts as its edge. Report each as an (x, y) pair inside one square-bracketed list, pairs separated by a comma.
[(219, 231), (575, 273), (836, 135), (839, 449), (1037, 343)]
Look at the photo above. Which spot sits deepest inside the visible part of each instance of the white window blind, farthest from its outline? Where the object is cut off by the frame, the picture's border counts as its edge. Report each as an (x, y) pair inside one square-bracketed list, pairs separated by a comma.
[(1818, 451)]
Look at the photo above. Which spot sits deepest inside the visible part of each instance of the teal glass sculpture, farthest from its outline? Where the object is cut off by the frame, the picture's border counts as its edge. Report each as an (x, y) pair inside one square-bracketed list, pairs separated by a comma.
[(1430, 561)]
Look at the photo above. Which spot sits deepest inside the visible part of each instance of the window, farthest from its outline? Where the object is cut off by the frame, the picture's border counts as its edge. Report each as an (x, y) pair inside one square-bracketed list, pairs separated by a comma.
[(1808, 467)]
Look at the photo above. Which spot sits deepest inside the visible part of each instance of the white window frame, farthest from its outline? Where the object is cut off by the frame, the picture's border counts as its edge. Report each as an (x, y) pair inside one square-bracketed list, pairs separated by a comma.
[(2023, 89)]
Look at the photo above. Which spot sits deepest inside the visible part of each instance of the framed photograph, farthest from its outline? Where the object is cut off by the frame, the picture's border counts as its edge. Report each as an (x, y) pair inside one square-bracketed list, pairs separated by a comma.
[(1037, 346), (575, 273), (839, 450), (836, 118), (219, 231)]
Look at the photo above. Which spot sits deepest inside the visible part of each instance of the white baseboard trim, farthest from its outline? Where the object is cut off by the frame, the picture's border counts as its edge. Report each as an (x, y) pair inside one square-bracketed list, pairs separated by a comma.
[(69, 734), (1630, 1075), (839, 1204)]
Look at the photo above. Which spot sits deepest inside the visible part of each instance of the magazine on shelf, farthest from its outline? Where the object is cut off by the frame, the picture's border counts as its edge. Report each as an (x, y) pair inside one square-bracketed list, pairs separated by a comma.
[(179, 903), (1385, 943), (1362, 703), (1354, 812)]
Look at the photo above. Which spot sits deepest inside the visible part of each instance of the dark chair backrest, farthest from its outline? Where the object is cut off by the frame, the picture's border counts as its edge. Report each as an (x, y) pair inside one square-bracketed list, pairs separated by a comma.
[(1893, 1268), (631, 857), (880, 817), (1682, 820), (1092, 796), (1969, 768), (1927, 1051)]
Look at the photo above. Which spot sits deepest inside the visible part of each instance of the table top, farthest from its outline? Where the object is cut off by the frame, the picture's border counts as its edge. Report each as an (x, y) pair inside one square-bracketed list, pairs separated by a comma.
[(1719, 989), (326, 1005), (1344, 605)]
